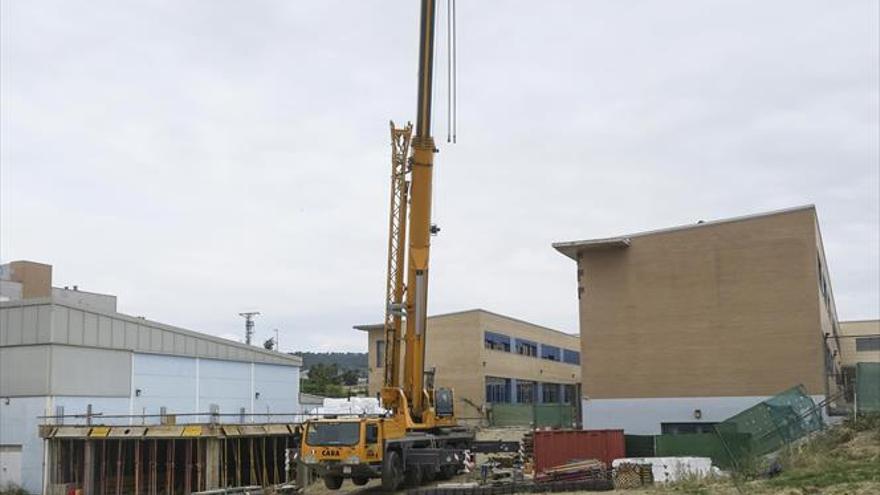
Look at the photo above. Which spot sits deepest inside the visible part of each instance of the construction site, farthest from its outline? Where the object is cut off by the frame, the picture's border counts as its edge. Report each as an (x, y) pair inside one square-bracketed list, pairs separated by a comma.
[(678, 352)]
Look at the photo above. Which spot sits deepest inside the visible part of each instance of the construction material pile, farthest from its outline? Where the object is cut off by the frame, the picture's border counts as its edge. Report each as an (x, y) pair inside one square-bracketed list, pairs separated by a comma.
[(589, 469), (632, 475), (528, 451)]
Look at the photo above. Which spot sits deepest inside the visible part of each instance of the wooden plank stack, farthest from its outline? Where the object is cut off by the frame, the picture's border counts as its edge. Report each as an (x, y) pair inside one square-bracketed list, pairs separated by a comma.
[(631, 475), (582, 470)]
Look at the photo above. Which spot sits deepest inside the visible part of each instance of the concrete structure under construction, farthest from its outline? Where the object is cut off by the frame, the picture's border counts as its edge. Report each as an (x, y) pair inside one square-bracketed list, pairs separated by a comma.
[(686, 326), (68, 352), (490, 359)]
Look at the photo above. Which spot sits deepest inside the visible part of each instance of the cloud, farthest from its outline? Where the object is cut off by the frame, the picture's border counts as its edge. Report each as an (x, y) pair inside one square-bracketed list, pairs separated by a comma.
[(202, 158)]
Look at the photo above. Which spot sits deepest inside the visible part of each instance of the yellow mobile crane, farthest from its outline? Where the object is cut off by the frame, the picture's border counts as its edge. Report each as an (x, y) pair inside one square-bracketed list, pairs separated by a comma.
[(419, 439)]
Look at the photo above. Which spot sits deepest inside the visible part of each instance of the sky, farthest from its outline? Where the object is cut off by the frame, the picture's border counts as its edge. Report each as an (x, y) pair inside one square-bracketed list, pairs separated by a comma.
[(203, 158)]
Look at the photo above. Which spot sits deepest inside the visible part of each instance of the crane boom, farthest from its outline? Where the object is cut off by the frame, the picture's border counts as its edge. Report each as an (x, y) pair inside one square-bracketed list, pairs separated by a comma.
[(419, 438), (420, 228)]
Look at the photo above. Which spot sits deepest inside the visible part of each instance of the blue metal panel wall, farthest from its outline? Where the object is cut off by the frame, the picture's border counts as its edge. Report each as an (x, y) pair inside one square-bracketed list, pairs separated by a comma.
[(278, 387), (165, 381), (227, 384)]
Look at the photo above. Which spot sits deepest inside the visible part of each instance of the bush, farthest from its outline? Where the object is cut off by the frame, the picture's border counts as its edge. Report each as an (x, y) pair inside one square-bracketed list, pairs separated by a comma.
[(864, 422), (13, 489)]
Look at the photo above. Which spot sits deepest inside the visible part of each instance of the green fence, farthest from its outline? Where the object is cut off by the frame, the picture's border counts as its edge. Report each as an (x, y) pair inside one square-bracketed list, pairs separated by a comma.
[(639, 445), (769, 426), (758, 430), (867, 388), (537, 415), (721, 451)]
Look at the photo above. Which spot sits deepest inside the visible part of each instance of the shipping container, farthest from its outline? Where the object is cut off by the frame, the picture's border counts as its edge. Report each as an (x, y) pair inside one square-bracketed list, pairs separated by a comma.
[(558, 447)]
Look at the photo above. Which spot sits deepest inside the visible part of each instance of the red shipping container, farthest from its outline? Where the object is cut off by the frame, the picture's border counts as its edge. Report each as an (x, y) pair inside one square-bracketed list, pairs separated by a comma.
[(558, 447)]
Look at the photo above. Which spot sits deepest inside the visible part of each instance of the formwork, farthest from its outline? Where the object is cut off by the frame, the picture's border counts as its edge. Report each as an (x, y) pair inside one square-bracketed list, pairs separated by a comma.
[(168, 459), (558, 447)]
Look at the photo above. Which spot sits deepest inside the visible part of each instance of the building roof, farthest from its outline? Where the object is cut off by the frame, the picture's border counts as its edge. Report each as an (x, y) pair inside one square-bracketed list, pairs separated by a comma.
[(572, 248), (379, 326), (53, 321)]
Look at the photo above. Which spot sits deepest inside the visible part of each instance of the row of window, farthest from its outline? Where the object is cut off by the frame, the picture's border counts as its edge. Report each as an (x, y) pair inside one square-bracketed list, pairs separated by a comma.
[(501, 342), (866, 344), (508, 390)]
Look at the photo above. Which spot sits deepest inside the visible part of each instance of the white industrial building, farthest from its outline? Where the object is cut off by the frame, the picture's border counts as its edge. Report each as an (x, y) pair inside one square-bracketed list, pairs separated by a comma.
[(65, 351)]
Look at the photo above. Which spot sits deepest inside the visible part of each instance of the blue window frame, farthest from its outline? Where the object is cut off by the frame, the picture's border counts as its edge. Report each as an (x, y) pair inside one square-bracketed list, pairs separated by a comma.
[(526, 347), (497, 341), (571, 357), (525, 392), (497, 390), (551, 353), (550, 393)]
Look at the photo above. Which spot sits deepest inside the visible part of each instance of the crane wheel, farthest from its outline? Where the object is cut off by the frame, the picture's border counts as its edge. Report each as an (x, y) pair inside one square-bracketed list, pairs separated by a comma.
[(360, 480), (429, 474), (332, 482), (392, 471), (413, 476), (447, 471)]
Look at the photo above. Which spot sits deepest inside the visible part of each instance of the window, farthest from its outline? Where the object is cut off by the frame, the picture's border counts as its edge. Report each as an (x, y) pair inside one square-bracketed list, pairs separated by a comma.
[(527, 348), (864, 344), (497, 341), (320, 434), (497, 389), (550, 393), (372, 433), (685, 428), (568, 394), (571, 357), (380, 353), (551, 353), (525, 392)]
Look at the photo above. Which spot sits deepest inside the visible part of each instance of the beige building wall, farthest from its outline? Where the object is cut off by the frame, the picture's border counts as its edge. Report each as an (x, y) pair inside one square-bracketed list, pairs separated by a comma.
[(456, 351), (35, 278), (696, 323), (728, 308), (852, 330)]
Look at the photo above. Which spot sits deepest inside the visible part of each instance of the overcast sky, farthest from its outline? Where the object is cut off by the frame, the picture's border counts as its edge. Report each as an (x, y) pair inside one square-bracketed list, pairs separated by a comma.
[(202, 158)]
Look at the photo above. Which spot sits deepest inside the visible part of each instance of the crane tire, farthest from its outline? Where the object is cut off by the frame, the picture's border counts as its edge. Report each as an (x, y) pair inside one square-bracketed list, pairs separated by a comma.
[(392, 471)]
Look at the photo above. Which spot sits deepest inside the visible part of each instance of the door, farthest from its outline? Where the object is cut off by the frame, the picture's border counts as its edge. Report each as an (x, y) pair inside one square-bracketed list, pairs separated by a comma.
[(10, 465)]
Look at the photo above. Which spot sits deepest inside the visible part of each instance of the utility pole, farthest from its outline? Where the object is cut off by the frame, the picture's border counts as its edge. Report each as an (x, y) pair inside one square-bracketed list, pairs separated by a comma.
[(277, 345), (248, 325)]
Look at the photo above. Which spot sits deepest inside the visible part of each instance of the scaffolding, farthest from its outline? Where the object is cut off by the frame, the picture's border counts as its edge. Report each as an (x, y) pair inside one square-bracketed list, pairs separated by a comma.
[(167, 458)]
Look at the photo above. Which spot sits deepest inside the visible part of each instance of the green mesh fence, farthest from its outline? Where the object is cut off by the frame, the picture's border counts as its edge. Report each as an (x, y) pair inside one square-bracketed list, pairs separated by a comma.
[(769, 425), (639, 445), (704, 445), (868, 387), (511, 415), (538, 415)]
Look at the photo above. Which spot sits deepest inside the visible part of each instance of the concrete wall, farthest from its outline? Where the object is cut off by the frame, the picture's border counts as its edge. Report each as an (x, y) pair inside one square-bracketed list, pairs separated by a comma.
[(24, 371), (43, 321), (721, 310), (33, 370), (180, 384), (9, 290), (18, 426), (101, 302)]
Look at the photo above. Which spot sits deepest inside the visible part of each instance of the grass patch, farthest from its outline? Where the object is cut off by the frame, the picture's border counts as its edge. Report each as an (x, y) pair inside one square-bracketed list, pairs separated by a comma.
[(829, 474)]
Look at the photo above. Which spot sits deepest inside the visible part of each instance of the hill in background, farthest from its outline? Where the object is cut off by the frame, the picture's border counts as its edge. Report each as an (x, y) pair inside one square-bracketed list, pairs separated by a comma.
[(343, 360)]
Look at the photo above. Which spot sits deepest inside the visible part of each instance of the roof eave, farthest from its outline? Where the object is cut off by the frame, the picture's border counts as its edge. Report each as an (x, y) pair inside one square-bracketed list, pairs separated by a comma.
[(572, 248)]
